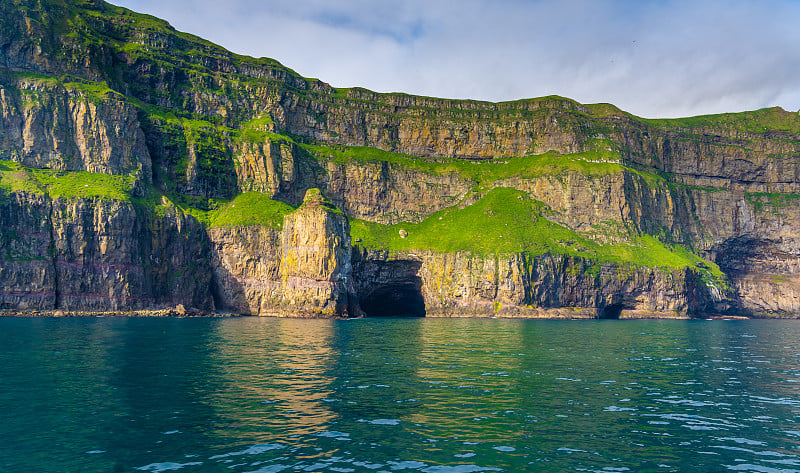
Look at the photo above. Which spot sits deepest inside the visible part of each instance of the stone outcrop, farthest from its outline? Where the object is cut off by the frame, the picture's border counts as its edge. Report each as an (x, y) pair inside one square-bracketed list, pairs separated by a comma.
[(316, 270), (246, 263), (302, 270)]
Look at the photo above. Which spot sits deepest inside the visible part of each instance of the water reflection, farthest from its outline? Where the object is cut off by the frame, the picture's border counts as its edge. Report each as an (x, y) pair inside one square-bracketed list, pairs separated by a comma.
[(274, 378), (160, 370), (429, 395), (480, 365)]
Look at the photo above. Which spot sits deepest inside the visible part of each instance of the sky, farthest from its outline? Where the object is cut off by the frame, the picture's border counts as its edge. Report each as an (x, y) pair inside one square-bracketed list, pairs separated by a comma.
[(653, 58)]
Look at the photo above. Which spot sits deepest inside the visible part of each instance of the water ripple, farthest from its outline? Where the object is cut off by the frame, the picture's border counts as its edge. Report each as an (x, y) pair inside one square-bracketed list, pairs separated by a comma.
[(436, 396)]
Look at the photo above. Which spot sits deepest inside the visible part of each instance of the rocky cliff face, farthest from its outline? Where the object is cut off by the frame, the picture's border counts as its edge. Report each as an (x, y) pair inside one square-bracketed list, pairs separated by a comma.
[(99, 255), (455, 285), (315, 262), (27, 269), (631, 216), (302, 270), (246, 263), (46, 124)]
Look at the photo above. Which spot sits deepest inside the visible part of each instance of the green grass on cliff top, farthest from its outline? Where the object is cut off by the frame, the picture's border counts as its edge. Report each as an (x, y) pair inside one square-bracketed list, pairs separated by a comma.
[(65, 184), (508, 221), (250, 208), (755, 121)]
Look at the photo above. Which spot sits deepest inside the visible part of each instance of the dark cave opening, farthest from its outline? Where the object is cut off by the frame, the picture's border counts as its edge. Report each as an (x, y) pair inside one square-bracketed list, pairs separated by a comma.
[(611, 311), (395, 300)]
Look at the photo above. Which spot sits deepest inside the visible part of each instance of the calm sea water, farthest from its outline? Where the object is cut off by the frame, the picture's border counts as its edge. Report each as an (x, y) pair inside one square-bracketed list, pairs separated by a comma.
[(394, 395)]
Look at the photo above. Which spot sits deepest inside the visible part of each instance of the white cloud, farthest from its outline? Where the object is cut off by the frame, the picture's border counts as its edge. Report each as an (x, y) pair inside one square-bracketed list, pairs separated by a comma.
[(655, 58)]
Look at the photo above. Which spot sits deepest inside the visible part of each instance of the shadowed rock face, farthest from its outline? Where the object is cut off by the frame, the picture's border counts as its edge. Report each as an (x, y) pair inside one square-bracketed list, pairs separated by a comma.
[(394, 300), (27, 270), (765, 272), (90, 254), (388, 288), (246, 264), (94, 88)]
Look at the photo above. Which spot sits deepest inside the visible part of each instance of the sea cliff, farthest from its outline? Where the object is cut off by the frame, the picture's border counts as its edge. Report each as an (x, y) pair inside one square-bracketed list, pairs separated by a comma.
[(145, 168)]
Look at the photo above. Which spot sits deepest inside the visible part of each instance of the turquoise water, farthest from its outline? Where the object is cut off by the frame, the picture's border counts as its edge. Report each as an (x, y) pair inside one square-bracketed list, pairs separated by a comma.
[(395, 395)]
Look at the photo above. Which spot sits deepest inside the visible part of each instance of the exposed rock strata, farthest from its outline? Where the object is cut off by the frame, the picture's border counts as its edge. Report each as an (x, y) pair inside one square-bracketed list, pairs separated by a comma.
[(455, 285), (246, 263), (27, 270), (303, 269), (94, 88), (47, 125), (316, 270), (96, 255)]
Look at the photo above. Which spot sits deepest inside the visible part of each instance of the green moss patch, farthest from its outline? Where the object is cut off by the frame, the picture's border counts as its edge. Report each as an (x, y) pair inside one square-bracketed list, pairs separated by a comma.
[(250, 208), (82, 184), (16, 178), (66, 184), (508, 221), (765, 201)]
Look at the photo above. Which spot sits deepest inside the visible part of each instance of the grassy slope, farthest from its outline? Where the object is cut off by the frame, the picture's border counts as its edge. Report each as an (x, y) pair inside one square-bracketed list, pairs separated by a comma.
[(508, 221), (60, 184), (756, 121), (251, 208)]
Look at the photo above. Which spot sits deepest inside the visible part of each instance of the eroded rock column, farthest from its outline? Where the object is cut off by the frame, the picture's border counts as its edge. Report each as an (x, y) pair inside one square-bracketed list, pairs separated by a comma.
[(315, 260)]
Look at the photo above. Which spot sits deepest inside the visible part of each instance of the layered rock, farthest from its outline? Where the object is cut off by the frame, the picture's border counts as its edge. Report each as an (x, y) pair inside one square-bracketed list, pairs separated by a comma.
[(27, 270), (99, 255), (765, 271), (390, 193), (247, 269), (518, 285), (302, 270), (316, 269), (45, 124), (91, 87)]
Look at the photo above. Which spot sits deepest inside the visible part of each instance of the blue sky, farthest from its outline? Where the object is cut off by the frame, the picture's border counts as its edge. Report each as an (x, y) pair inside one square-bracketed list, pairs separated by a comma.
[(653, 58)]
